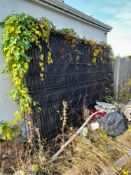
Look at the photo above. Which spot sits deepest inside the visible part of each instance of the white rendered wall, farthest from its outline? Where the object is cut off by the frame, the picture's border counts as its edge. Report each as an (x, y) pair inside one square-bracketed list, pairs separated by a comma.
[(59, 19)]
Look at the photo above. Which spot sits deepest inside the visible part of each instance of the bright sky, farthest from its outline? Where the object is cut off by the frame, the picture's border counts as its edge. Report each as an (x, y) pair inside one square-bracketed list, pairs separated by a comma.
[(116, 13)]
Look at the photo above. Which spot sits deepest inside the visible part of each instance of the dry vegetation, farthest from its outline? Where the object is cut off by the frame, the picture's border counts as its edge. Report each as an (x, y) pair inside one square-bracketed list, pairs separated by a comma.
[(82, 157), (92, 157)]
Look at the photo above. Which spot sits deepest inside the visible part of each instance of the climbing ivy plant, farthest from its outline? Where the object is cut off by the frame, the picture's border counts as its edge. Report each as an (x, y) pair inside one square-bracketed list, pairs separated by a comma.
[(70, 35), (20, 31), (8, 132)]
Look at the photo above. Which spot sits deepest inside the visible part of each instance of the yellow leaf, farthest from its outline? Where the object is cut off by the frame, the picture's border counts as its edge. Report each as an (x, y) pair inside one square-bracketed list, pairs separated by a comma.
[(26, 65), (29, 123), (29, 141), (49, 59), (94, 54), (41, 75), (125, 172), (94, 60), (17, 82), (12, 28), (14, 66), (39, 33), (41, 57), (42, 69), (17, 118), (40, 47), (5, 49), (41, 64)]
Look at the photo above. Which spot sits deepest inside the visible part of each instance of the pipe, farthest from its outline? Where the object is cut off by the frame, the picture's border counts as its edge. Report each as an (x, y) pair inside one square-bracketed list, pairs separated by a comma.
[(72, 137)]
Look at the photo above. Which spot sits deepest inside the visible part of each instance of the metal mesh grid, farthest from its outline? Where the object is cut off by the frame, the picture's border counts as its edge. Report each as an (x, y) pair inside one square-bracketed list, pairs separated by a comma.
[(72, 77)]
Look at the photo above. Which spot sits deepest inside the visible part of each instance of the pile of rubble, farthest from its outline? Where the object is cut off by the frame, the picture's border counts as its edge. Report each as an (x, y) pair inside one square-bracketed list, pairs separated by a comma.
[(113, 119)]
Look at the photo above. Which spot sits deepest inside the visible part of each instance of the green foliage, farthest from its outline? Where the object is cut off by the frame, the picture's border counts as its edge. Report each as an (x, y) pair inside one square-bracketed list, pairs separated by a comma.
[(2, 24), (70, 35), (68, 31), (7, 132), (98, 50), (35, 168), (20, 31), (109, 99), (124, 172)]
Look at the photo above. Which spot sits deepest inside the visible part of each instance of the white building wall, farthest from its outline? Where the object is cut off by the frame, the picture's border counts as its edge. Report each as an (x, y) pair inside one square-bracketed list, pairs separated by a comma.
[(59, 19)]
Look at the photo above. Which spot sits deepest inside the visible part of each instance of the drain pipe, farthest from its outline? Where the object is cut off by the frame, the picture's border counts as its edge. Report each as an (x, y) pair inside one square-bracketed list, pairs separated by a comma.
[(73, 137)]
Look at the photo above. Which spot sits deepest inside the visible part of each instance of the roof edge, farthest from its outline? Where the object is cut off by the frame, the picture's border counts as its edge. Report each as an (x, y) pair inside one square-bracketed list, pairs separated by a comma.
[(76, 13)]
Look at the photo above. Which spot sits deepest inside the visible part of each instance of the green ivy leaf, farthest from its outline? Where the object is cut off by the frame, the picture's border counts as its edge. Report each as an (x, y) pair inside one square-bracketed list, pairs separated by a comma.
[(35, 168), (41, 57), (2, 24), (1, 129)]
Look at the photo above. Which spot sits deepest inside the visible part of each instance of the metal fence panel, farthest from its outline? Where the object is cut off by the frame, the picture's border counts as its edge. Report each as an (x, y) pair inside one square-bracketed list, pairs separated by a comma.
[(72, 77)]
